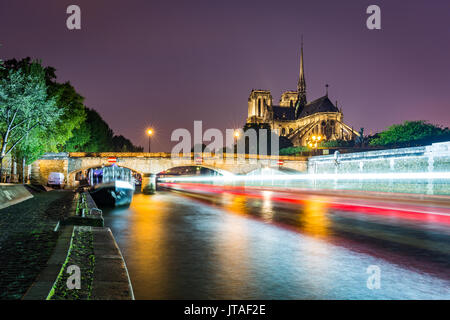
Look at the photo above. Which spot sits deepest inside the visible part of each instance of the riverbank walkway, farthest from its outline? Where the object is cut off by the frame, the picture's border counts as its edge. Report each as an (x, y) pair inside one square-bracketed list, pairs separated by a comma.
[(27, 239)]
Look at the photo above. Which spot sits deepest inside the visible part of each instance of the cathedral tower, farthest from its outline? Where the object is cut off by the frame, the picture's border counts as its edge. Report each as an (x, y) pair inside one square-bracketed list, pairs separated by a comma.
[(258, 103), (301, 86)]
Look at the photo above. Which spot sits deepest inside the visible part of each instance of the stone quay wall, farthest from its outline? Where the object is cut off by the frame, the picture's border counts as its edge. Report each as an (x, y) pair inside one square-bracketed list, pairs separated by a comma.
[(434, 158)]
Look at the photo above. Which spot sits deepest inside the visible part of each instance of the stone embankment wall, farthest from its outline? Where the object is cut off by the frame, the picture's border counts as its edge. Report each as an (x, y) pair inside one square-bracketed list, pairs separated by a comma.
[(13, 193), (40, 169), (427, 159)]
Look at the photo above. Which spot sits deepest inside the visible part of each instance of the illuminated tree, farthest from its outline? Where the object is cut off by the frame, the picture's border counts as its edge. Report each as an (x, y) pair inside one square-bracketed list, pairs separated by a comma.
[(95, 135), (410, 133), (25, 106)]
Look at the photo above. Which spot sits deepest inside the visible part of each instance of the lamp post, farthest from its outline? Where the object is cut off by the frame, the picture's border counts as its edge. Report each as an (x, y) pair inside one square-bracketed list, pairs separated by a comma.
[(150, 133), (236, 137)]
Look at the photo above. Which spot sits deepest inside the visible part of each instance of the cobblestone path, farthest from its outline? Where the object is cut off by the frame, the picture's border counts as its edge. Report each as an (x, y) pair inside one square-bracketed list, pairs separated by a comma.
[(27, 239)]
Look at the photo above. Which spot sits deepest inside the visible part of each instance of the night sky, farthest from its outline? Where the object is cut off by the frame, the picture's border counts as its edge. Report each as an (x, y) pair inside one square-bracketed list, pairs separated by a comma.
[(168, 63)]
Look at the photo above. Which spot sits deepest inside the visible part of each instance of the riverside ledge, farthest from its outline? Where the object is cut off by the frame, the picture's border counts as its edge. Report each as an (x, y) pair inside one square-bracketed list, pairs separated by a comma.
[(108, 272), (11, 194), (111, 278)]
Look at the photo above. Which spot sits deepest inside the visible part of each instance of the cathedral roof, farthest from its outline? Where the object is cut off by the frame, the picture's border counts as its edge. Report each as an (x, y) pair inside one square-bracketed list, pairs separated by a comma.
[(283, 113), (322, 104)]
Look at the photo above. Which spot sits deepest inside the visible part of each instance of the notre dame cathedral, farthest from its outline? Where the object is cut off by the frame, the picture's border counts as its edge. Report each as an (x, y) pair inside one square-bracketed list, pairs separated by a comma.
[(296, 118)]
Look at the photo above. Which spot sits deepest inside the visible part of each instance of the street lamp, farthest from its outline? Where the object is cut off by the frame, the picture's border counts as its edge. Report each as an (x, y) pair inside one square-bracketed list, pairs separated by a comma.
[(150, 133), (236, 137), (315, 140)]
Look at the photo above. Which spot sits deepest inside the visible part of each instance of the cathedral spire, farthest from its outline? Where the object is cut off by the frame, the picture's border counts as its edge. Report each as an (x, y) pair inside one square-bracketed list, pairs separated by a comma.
[(301, 85)]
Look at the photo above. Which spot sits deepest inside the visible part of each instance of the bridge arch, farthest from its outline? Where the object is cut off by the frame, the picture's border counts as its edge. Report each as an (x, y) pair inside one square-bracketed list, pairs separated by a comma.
[(71, 176)]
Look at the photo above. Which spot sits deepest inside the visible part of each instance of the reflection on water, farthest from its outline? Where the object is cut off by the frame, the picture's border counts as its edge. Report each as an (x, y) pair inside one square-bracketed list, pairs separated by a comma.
[(314, 219), (267, 207), (147, 238), (181, 248)]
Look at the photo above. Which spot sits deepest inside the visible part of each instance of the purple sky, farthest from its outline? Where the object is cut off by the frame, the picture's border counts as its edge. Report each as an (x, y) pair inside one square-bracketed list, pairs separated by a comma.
[(168, 63)]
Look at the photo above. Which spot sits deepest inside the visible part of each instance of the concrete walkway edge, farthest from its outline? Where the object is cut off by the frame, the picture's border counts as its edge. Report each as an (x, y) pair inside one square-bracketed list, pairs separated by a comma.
[(111, 278)]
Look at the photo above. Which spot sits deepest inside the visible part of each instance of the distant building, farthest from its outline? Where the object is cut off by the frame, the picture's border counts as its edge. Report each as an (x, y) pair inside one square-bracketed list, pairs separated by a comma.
[(296, 118)]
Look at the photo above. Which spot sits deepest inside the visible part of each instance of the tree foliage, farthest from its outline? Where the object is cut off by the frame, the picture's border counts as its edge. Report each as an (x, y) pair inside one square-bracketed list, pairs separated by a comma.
[(74, 113), (292, 151), (410, 133), (71, 112), (39, 114), (81, 137), (338, 143), (122, 144), (95, 135), (26, 108)]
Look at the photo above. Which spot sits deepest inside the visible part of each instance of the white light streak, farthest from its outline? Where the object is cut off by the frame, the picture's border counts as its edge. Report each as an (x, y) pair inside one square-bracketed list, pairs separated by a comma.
[(314, 177)]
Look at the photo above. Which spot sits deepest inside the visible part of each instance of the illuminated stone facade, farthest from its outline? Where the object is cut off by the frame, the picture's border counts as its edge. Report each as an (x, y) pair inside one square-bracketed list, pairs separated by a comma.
[(297, 119)]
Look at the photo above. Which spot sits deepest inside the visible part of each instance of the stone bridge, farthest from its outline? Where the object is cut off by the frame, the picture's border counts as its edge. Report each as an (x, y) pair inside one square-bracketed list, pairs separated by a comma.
[(153, 163)]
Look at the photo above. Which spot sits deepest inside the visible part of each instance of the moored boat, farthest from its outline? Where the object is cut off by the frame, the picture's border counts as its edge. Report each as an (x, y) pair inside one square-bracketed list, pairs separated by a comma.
[(111, 186)]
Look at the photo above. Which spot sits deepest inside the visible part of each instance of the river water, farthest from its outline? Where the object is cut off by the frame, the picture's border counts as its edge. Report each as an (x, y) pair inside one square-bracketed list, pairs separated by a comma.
[(231, 247)]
